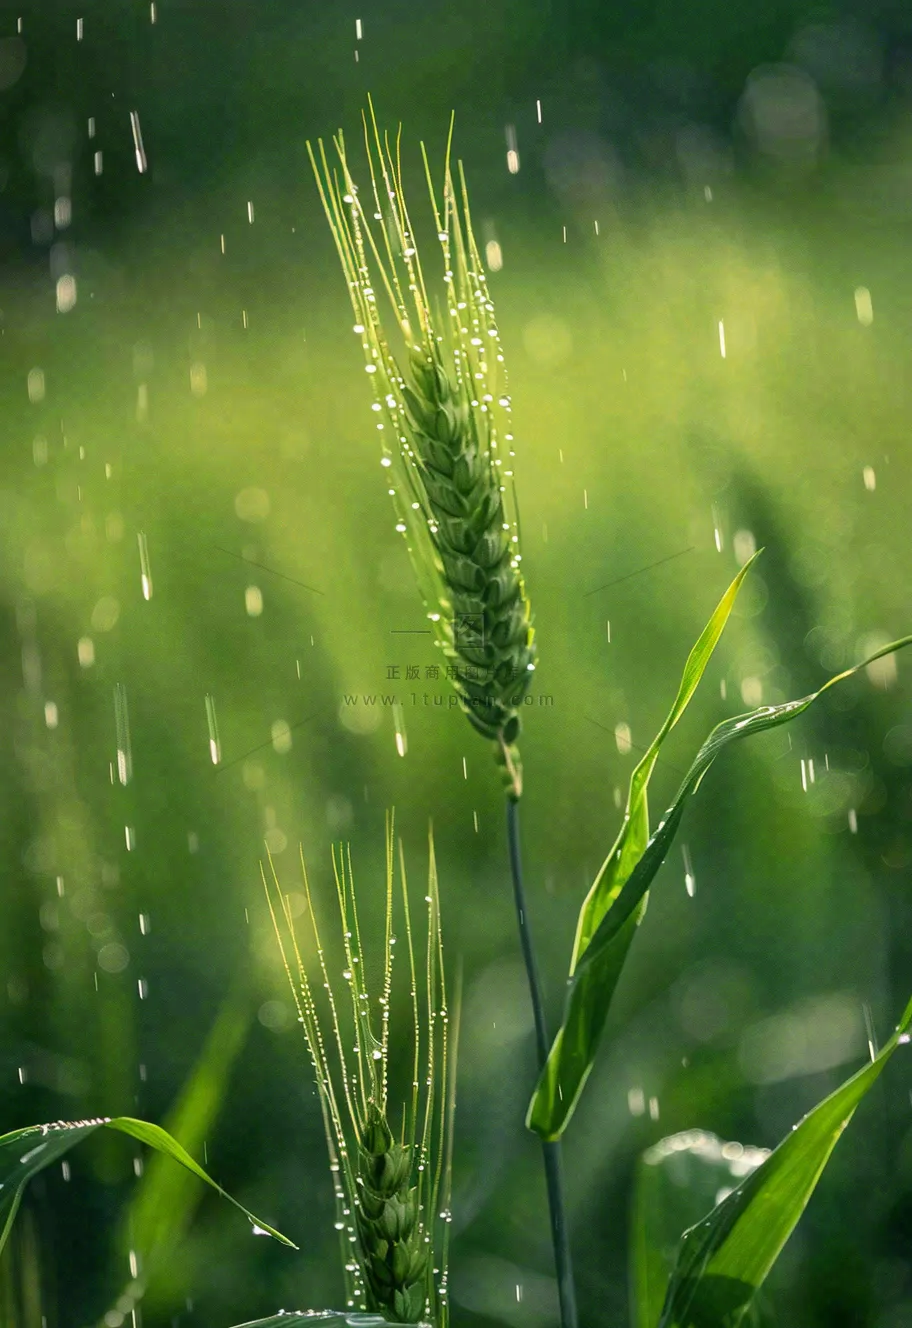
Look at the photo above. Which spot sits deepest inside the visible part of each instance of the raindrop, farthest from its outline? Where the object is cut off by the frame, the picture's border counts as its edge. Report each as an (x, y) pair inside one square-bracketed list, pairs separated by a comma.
[(122, 728), (864, 308), (399, 723), (869, 1030), (744, 545), (281, 736), (636, 1101), (145, 570), (66, 293), (215, 749), (139, 150), (689, 879), (493, 256), (36, 385)]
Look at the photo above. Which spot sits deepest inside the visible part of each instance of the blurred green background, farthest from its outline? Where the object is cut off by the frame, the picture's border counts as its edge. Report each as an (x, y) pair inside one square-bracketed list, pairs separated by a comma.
[(701, 274)]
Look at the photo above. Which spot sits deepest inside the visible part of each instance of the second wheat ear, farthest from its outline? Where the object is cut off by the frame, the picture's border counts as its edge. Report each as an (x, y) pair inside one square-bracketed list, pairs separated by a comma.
[(444, 418), (390, 1151)]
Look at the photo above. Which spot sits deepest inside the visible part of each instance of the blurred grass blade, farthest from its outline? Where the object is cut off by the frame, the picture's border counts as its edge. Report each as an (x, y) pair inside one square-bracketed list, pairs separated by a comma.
[(23, 1153), (634, 833), (163, 1203), (166, 1196), (723, 1260), (678, 1181), (597, 971)]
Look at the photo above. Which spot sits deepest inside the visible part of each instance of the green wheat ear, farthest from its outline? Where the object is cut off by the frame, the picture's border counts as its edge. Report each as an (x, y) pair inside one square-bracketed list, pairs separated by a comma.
[(445, 426), (392, 1187)]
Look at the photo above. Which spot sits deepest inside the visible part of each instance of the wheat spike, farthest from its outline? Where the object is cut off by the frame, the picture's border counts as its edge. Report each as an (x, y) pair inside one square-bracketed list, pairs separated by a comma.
[(445, 425), (390, 1226), (388, 1189)]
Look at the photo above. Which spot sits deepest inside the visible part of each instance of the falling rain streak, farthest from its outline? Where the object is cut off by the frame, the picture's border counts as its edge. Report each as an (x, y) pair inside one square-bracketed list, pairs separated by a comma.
[(145, 569), (215, 746), (140, 152), (399, 725), (512, 150), (122, 731), (689, 879)]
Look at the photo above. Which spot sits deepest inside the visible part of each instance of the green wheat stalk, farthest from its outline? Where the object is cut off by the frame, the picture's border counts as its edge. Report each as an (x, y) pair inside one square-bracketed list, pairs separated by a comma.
[(445, 427), (392, 1185), (447, 444)]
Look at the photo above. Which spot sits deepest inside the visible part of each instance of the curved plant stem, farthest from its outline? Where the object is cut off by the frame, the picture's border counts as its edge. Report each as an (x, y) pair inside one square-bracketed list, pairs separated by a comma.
[(551, 1150)]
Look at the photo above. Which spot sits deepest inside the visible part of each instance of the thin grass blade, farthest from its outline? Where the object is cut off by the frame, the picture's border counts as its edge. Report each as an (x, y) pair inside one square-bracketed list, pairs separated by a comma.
[(24, 1153), (593, 983), (723, 1260)]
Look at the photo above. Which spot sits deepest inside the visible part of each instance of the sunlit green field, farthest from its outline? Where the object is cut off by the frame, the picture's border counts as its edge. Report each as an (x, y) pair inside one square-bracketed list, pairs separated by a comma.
[(206, 618)]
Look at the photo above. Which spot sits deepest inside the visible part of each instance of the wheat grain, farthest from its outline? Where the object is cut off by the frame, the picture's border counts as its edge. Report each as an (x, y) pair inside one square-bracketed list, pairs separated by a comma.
[(446, 429)]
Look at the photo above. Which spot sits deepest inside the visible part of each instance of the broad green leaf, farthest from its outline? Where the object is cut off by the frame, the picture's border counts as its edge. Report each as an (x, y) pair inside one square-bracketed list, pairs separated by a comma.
[(678, 1181), (599, 983), (23, 1153), (594, 980), (725, 1258), (634, 833)]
